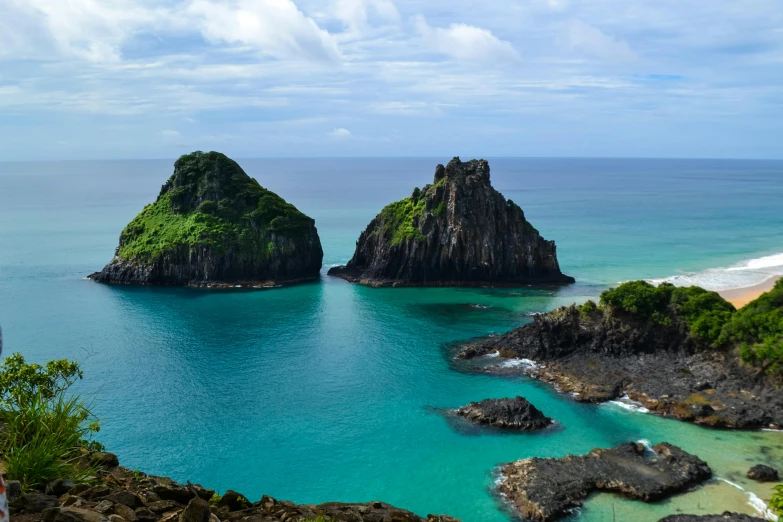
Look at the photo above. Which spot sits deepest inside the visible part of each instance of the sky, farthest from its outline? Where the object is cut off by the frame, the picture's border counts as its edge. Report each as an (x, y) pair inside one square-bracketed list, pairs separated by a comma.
[(105, 79)]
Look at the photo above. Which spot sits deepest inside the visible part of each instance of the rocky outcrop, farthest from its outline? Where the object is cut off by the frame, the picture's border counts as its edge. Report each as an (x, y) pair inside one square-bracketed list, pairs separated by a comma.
[(546, 489), (514, 414), (122, 495), (725, 517), (459, 231), (214, 226), (763, 473), (603, 354)]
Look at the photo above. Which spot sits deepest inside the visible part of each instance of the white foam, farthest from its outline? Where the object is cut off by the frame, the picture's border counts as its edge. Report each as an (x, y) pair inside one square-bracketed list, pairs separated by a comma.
[(626, 403), (743, 274), (480, 307), (755, 502), (495, 354), (761, 506), (519, 363)]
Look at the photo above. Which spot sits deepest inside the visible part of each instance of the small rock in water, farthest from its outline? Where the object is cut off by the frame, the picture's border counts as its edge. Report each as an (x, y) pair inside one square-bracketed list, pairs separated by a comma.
[(516, 413), (763, 473)]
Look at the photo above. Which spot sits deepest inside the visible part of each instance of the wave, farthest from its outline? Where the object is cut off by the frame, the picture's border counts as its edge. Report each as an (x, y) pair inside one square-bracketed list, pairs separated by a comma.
[(627, 404), (743, 274), (755, 502)]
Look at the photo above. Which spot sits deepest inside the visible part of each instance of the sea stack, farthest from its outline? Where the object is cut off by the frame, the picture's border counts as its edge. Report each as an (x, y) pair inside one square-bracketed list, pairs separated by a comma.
[(459, 231), (214, 226)]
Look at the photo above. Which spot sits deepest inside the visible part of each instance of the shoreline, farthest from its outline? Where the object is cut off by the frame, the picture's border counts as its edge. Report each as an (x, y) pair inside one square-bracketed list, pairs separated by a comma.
[(739, 297)]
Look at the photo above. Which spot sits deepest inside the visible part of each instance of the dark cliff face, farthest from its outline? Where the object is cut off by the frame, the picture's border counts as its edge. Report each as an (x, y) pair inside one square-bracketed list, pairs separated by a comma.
[(214, 224), (457, 231)]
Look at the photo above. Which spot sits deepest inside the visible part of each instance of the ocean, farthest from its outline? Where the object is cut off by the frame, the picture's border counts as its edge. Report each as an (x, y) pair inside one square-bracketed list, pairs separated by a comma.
[(332, 391)]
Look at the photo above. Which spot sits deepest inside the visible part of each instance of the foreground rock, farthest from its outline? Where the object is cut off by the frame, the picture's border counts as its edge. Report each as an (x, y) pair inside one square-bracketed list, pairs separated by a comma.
[(516, 414), (459, 231), (599, 354), (725, 517), (214, 226), (763, 473), (122, 495), (546, 489)]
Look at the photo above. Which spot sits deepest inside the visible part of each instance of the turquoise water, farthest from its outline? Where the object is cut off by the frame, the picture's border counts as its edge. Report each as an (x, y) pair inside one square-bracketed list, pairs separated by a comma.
[(333, 391)]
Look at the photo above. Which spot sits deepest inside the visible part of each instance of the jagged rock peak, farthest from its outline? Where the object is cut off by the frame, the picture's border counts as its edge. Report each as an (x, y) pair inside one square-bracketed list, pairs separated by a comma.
[(476, 169), (458, 231)]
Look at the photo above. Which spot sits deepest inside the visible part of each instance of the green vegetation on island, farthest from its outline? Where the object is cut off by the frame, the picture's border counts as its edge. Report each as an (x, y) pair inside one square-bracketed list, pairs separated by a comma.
[(209, 201), (756, 329), (399, 220)]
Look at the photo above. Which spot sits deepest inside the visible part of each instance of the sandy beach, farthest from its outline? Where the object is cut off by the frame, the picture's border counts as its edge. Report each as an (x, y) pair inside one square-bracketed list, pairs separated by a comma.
[(739, 297)]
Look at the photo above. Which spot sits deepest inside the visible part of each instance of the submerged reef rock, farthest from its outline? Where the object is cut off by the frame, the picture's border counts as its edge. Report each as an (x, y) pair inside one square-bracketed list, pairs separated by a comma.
[(515, 414), (118, 494), (546, 489), (660, 346), (213, 225), (459, 231), (725, 517)]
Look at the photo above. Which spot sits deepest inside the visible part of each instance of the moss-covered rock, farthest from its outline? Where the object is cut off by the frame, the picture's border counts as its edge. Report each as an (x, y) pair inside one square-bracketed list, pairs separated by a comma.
[(458, 231), (212, 224)]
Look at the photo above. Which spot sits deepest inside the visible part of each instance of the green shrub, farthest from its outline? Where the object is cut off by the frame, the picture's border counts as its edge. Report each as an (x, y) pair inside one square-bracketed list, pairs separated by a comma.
[(19, 379), (45, 430), (588, 308), (758, 329), (215, 500), (638, 297), (776, 502), (43, 439), (440, 209)]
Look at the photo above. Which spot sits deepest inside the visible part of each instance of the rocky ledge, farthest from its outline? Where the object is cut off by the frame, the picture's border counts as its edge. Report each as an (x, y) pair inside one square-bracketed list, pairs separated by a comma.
[(122, 495), (546, 489), (725, 517), (458, 231), (514, 414), (661, 361), (214, 226)]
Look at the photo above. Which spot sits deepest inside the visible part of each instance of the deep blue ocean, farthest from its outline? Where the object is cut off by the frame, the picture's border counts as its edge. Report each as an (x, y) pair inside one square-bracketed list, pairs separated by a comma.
[(331, 391)]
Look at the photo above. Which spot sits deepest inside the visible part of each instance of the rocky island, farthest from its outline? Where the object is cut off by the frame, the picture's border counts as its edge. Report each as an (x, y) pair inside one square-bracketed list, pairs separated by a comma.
[(546, 489), (214, 226), (512, 414), (458, 231), (682, 352)]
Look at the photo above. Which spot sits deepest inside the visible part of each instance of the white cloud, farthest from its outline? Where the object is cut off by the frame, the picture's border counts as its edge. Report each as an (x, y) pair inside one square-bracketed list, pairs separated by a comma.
[(86, 29), (466, 42), (340, 133), (355, 13), (170, 134), (592, 41), (273, 27)]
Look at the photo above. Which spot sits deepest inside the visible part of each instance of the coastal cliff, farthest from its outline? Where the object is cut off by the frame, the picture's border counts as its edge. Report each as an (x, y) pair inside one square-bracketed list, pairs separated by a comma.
[(672, 350), (213, 225), (458, 231)]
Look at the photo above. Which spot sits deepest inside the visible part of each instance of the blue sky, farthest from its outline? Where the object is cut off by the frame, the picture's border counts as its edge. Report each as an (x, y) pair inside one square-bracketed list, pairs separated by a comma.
[(84, 79)]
